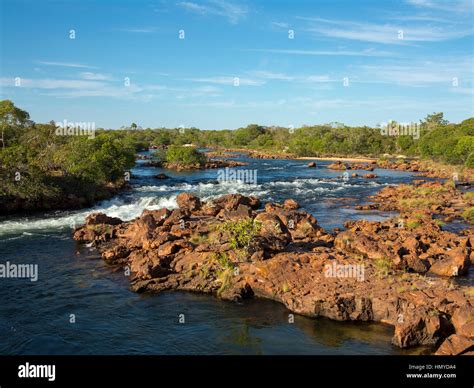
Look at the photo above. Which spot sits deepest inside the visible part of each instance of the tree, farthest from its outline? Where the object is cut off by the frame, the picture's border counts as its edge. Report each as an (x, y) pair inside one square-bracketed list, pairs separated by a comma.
[(435, 119), (12, 122)]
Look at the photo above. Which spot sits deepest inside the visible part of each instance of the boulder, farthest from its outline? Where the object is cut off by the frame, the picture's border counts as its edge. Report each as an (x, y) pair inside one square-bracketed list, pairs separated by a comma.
[(455, 345), (188, 201), (456, 264), (291, 204), (101, 218)]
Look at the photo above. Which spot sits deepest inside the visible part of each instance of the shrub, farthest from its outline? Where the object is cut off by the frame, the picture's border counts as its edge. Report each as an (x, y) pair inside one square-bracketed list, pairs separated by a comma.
[(241, 232), (186, 156), (468, 214)]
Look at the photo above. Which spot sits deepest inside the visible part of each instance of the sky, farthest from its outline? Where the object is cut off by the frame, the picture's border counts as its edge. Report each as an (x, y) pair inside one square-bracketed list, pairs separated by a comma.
[(216, 64)]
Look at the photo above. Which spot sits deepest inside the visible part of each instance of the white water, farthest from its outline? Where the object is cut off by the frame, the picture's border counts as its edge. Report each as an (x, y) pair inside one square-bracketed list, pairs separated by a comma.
[(118, 207)]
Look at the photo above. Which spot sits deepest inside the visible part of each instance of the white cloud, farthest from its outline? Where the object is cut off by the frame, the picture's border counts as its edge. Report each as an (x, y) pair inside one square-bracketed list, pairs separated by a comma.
[(361, 53), (140, 30), (420, 73), (221, 80), (65, 64), (444, 5), (87, 75), (280, 25), (271, 75), (383, 33), (232, 11)]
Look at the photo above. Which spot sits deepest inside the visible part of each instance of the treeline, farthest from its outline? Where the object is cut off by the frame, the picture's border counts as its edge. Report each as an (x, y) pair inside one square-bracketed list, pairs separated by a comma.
[(40, 169), (432, 138)]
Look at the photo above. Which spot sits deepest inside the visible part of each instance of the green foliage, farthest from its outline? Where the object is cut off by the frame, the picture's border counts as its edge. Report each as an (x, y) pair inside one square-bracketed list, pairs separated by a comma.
[(186, 156), (241, 232), (40, 168), (468, 214), (383, 266), (225, 271)]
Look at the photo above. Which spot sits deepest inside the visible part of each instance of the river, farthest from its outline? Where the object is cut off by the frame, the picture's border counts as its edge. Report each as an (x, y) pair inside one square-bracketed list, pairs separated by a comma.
[(80, 305)]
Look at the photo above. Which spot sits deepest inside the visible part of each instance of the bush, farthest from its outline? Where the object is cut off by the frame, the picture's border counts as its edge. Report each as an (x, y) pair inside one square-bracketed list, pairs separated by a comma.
[(241, 232), (468, 214), (186, 156)]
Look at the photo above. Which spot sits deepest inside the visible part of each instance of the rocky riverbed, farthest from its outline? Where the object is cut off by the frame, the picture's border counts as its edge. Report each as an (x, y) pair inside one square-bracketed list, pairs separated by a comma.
[(235, 247)]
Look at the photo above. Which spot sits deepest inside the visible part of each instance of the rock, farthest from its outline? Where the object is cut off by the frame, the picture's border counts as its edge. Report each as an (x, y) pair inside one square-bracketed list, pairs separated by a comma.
[(291, 259), (101, 218), (291, 204), (188, 201), (161, 176), (455, 345), (312, 164), (339, 166), (417, 328), (370, 176), (232, 201), (462, 316), (456, 264)]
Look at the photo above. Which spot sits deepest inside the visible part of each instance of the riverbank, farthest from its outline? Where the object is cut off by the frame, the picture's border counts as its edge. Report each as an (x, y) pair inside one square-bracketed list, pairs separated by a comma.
[(427, 168)]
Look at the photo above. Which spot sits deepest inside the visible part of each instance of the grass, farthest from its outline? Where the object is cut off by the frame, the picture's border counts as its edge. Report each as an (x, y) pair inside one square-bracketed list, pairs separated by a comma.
[(400, 289), (285, 287), (199, 239), (470, 291), (469, 196), (241, 232), (468, 214), (413, 224), (225, 271), (383, 266), (416, 203)]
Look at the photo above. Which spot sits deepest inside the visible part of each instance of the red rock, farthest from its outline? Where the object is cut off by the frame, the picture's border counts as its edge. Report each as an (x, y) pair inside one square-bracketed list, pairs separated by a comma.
[(457, 263), (101, 218), (455, 345), (188, 201), (291, 204)]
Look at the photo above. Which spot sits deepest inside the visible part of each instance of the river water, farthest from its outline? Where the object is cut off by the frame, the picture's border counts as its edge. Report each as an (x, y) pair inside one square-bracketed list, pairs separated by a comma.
[(79, 305)]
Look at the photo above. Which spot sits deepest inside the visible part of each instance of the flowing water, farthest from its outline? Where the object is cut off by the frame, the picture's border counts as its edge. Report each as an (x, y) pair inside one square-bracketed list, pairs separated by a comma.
[(79, 305)]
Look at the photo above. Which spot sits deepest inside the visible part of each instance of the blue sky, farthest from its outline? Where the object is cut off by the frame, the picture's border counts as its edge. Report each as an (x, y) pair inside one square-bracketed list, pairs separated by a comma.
[(356, 62)]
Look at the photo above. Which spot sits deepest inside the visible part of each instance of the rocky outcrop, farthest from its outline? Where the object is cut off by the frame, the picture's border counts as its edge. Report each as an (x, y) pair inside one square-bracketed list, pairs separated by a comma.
[(424, 197), (236, 248), (209, 164)]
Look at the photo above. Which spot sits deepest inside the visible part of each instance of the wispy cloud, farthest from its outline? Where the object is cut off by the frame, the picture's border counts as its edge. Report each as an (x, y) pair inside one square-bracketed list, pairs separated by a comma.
[(140, 30), (65, 64), (273, 76), (87, 75), (221, 80), (280, 25), (444, 5), (419, 73), (351, 53), (383, 33), (232, 11)]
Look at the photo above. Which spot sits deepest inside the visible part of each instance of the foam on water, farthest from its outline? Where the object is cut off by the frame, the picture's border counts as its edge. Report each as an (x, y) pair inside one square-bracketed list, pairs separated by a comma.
[(159, 196)]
